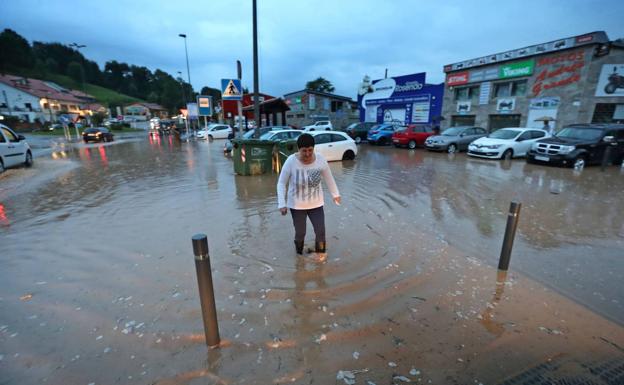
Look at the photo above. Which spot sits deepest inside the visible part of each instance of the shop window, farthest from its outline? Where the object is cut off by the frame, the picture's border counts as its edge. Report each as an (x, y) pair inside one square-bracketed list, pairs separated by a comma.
[(466, 93), (603, 113), (502, 121), (462, 120), (517, 88), (336, 105)]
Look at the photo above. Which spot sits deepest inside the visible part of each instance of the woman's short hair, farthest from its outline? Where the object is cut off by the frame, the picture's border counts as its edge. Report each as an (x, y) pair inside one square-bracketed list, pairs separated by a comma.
[(305, 140)]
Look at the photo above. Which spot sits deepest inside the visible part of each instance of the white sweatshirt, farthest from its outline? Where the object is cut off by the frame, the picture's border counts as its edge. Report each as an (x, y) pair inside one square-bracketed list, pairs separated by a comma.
[(304, 183)]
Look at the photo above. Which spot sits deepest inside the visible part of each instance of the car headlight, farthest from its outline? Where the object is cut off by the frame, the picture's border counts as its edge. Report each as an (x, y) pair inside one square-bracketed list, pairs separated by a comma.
[(566, 149), (493, 146)]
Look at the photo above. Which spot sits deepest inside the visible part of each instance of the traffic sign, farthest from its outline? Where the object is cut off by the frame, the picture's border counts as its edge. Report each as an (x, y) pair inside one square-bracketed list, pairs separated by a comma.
[(205, 105), (192, 110), (231, 89)]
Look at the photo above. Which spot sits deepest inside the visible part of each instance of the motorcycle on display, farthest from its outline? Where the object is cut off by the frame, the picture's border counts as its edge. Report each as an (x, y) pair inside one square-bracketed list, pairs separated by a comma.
[(615, 81)]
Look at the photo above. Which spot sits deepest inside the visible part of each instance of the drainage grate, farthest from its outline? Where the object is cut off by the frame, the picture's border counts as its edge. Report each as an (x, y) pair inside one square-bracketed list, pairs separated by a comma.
[(564, 371)]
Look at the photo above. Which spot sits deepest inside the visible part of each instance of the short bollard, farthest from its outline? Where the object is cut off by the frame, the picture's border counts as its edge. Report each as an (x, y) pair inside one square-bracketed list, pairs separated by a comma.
[(510, 233), (206, 292)]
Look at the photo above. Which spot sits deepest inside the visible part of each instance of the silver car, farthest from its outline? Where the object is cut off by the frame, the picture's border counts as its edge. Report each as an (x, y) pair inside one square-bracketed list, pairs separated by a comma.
[(454, 139)]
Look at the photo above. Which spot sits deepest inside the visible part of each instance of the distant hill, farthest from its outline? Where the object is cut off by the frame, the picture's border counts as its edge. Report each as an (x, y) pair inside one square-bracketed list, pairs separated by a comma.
[(103, 95)]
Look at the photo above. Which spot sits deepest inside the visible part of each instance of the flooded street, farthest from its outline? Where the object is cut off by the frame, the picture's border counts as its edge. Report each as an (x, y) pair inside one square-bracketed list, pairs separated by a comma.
[(98, 281)]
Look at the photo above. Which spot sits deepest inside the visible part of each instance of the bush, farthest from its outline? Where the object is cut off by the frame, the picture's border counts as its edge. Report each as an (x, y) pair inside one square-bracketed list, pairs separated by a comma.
[(119, 126)]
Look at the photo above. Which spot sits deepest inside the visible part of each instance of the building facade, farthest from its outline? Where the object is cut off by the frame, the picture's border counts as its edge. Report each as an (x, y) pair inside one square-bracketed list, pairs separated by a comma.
[(308, 107), (404, 99), (578, 79), (36, 100)]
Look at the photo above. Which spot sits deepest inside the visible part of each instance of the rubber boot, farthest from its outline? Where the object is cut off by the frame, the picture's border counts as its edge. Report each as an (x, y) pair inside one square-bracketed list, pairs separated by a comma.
[(299, 247), (320, 247)]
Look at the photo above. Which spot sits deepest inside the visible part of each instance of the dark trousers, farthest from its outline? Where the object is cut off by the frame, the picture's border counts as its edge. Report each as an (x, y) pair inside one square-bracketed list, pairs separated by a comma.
[(317, 217)]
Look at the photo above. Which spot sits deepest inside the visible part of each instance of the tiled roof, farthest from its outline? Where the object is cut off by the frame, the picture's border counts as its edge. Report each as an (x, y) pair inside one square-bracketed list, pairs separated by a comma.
[(43, 89), (151, 106)]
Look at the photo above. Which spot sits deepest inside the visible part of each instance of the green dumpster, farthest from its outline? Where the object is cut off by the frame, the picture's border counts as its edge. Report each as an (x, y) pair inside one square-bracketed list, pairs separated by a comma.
[(283, 150), (252, 156)]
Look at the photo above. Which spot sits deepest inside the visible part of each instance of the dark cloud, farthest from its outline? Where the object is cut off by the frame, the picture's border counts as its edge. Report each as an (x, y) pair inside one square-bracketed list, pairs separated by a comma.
[(299, 41)]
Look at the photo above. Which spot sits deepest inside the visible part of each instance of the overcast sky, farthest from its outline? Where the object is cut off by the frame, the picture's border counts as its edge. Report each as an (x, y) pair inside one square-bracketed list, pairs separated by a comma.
[(340, 40)]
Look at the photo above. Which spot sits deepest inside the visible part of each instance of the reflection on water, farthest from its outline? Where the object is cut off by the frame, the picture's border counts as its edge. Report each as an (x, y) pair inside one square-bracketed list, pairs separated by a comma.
[(112, 248), (487, 317)]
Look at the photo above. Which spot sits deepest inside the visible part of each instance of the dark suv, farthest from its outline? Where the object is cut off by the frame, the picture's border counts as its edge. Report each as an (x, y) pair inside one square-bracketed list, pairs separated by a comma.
[(359, 131), (579, 145)]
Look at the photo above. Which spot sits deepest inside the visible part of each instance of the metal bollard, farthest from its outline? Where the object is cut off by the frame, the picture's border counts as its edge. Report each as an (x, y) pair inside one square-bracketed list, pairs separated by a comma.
[(510, 233), (206, 292)]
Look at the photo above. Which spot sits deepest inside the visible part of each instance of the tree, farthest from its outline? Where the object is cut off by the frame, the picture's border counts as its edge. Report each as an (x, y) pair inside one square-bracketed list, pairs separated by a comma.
[(320, 85), (74, 71), (16, 52)]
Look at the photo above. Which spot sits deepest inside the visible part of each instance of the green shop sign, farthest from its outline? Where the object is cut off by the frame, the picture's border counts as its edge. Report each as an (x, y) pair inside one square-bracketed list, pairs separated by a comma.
[(523, 68)]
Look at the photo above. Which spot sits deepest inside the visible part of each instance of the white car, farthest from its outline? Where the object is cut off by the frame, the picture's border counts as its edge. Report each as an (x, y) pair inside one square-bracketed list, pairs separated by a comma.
[(506, 143), (13, 149), (335, 145), (214, 131), (281, 135), (321, 125)]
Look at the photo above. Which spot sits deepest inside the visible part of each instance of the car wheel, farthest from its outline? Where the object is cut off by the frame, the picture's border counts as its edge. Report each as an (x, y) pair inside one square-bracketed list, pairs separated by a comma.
[(1, 166), (348, 155), (579, 162), (28, 162), (381, 141), (411, 145), (508, 154), (210, 138), (452, 148), (358, 140)]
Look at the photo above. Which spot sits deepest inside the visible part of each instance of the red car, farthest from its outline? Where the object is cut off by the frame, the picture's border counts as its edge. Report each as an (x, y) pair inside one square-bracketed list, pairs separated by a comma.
[(412, 136)]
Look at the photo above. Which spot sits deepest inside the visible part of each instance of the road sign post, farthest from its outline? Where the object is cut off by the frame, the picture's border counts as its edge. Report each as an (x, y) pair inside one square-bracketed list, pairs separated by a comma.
[(231, 90), (204, 104)]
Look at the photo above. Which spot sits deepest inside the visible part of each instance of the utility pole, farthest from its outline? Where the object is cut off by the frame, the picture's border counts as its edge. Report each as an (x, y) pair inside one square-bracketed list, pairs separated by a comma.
[(188, 72), (255, 64), (239, 69)]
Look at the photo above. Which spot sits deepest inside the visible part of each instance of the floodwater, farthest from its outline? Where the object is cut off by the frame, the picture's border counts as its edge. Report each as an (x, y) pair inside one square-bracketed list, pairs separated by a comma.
[(98, 285)]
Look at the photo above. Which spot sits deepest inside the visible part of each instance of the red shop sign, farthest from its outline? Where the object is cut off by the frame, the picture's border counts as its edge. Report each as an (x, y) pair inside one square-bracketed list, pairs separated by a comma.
[(457, 79)]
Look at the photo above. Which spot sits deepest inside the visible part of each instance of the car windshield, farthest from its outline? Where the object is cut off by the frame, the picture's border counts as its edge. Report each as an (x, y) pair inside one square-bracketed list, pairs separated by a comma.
[(402, 129), (504, 134), (352, 126), (249, 134), (453, 131), (92, 130), (583, 133), (266, 135)]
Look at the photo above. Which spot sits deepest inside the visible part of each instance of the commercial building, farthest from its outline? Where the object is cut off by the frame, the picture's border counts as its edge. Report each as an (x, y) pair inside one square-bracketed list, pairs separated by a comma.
[(307, 107), (404, 99), (578, 79)]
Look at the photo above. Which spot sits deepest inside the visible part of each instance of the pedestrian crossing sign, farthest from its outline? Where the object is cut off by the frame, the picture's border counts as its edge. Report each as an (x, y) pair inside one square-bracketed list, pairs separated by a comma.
[(231, 89)]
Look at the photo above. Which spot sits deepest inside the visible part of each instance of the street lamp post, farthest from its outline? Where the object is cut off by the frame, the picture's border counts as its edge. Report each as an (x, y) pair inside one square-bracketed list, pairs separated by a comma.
[(188, 72), (183, 101)]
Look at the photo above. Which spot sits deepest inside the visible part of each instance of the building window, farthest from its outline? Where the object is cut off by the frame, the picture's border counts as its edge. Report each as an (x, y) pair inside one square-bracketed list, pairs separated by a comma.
[(301, 115), (46, 105), (290, 116), (517, 88), (466, 93), (64, 107), (28, 106), (336, 105), (325, 103)]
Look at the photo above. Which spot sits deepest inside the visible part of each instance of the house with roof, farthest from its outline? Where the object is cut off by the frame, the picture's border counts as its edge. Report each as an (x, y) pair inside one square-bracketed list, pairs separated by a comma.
[(146, 111), (39, 100), (307, 107)]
